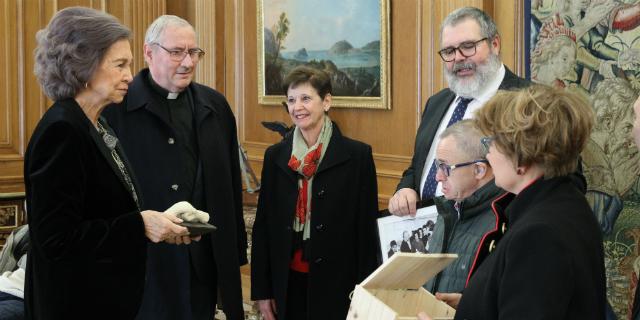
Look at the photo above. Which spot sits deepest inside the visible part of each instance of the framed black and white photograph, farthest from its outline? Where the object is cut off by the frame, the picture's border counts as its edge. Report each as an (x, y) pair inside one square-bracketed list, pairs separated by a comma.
[(406, 234)]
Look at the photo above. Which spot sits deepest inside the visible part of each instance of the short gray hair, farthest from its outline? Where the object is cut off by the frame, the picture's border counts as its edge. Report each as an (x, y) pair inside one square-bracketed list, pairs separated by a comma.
[(467, 137), (157, 27), (488, 27), (71, 47)]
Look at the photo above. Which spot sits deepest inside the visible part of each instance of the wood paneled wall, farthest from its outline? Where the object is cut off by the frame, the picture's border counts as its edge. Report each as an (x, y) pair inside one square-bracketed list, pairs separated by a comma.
[(227, 32)]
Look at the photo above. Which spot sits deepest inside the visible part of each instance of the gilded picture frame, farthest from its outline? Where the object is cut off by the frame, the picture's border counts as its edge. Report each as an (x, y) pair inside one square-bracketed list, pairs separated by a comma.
[(349, 39)]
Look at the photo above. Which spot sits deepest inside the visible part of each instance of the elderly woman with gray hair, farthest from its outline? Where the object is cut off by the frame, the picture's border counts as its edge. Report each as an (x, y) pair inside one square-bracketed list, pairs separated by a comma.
[(88, 236)]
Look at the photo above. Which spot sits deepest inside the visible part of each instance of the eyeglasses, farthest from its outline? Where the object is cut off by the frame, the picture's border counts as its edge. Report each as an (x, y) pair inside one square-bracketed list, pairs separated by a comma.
[(446, 169), (467, 49), (179, 55), (486, 143)]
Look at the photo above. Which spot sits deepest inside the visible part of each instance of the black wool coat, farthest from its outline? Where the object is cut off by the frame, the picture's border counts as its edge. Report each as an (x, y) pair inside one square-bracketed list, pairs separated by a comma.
[(88, 248), (548, 265), (143, 127), (343, 248)]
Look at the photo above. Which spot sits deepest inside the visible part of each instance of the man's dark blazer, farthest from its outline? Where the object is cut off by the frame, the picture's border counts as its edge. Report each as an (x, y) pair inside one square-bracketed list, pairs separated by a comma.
[(88, 244), (343, 247), (143, 126), (434, 111)]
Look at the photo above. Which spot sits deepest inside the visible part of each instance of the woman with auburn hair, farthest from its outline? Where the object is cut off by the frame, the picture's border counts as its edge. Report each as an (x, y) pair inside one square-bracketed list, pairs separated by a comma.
[(549, 264)]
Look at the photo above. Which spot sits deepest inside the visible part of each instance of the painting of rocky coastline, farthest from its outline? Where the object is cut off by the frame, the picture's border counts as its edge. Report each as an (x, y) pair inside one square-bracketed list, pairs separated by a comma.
[(352, 47)]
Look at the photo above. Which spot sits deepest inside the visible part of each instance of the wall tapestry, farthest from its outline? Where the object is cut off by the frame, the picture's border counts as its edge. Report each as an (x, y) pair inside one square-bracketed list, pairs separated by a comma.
[(593, 47)]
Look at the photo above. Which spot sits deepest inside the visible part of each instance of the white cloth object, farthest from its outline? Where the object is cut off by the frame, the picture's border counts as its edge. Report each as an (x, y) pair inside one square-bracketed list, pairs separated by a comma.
[(185, 211), (12, 282), (7, 260)]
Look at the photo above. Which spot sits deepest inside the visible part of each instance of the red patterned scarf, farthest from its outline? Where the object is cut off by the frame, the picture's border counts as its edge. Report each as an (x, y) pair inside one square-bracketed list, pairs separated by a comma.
[(305, 161)]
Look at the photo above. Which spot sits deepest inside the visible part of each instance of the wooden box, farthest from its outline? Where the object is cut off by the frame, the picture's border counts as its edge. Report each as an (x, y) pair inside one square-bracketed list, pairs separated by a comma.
[(394, 291)]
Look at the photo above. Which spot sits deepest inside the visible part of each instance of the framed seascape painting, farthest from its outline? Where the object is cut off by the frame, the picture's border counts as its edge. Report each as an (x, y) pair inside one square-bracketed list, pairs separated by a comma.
[(348, 39), (592, 47)]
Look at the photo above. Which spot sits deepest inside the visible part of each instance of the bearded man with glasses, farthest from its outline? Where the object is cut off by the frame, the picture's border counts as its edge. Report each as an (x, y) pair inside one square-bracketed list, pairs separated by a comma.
[(470, 52), (464, 210), (180, 137)]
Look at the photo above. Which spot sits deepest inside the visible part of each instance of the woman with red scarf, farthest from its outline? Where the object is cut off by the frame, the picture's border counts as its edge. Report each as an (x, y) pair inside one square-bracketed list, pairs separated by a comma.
[(314, 237)]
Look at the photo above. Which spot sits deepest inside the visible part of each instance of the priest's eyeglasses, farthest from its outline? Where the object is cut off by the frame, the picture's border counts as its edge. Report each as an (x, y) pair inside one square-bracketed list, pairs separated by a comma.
[(178, 55), (467, 49), (446, 169)]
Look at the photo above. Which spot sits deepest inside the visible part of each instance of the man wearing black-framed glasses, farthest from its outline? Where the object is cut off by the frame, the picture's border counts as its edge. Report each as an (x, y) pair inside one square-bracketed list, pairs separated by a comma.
[(464, 210), (470, 52), (180, 137), (466, 49)]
